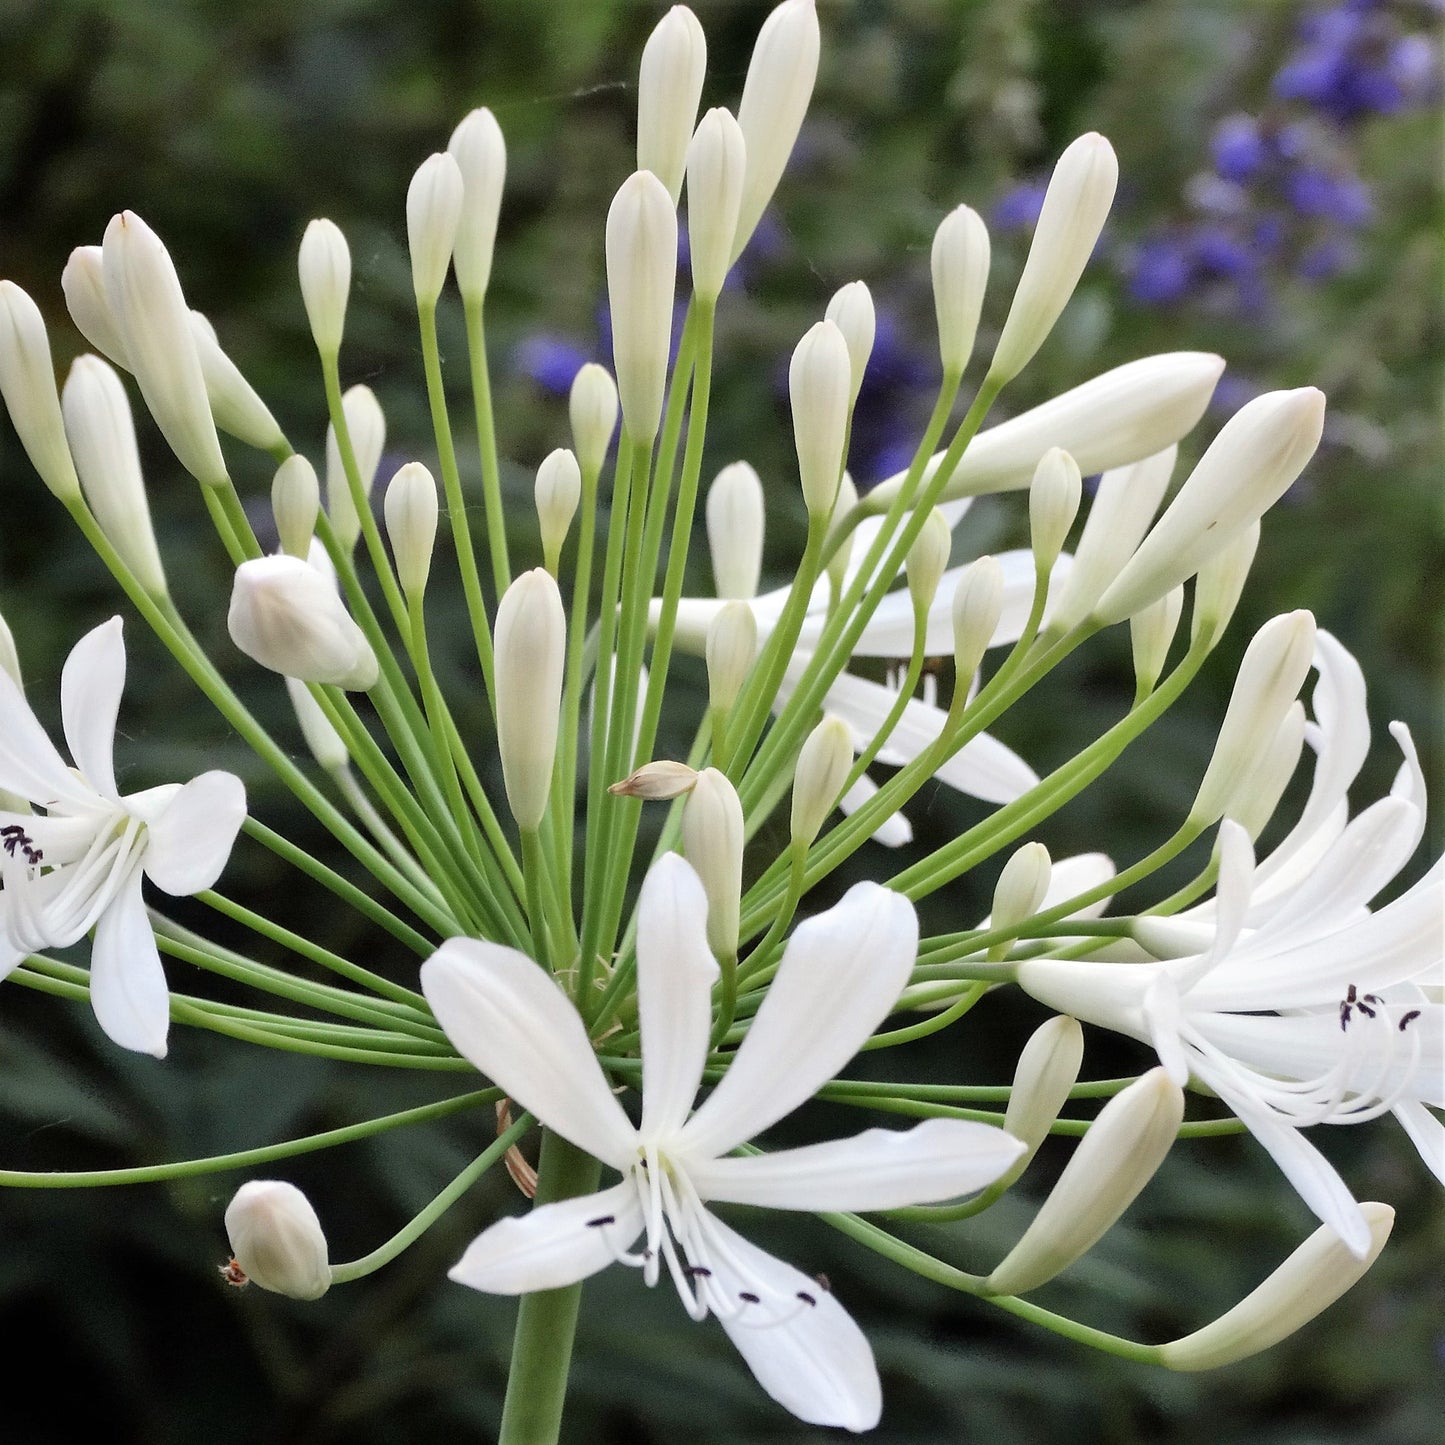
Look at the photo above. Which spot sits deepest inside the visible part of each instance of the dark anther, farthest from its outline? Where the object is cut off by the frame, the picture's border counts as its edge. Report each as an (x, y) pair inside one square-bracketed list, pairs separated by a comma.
[(699, 1271), (16, 837), (1409, 1018), (601, 1220), (1347, 1007), (647, 1254), (748, 1297), (806, 1298), (824, 1283), (1365, 1009)]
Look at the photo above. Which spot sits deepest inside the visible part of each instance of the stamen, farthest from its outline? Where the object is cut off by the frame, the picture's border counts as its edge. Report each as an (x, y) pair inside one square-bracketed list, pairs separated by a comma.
[(1408, 1018), (748, 1297), (806, 1298), (603, 1219)]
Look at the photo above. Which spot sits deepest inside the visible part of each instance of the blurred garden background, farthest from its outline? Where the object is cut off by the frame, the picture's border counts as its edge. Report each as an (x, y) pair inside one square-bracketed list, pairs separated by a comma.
[(1279, 203)]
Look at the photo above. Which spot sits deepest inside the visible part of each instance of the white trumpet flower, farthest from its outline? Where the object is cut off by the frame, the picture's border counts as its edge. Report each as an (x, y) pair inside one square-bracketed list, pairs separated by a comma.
[(839, 978)]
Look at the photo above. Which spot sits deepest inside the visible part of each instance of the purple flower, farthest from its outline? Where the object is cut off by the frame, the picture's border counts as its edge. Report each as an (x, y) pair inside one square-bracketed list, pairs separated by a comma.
[(1019, 207), (1240, 152), (1162, 271), (551, 361), (1344, 199)]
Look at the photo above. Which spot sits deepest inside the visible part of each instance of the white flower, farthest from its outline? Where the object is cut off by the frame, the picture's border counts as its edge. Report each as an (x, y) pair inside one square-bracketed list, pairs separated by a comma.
[(840, 976), (78, 864)]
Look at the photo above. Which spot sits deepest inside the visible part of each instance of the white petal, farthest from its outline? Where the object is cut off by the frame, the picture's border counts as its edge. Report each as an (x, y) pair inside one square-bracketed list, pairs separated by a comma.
[(90, 687), (894, 831), (127, 984), (984, 768), (30, 765), (877, 1169), (10, 958), (553, 1246), (1163, 1017), (1231, 903), (191, 839), (840, 976), (675, 975), (1427, 1134), (505, 1014)]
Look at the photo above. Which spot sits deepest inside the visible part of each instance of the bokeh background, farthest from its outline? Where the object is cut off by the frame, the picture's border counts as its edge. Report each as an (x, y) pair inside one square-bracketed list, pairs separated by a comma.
[(1279, 204)]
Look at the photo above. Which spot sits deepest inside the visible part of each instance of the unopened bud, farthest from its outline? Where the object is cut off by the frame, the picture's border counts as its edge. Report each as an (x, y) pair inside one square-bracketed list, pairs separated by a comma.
[(324, 265), (820, 387), (712, 841), (433, 211), (531, 646), (1151, 633), (592, 410), (656, 782), (1076, 204), (295, 502), (669, 86), (480, 152), (1262, 785), (410, 507), (842, 551), (1048, 1068), (960, 275), (27, 382), (366, 427), (83, 282), (1115, 1160), (823, 765), (1053, 505), (321, 738), (977, 607), (1021, 887), (557, 493), (641, 277), (237, 409), (102, 442), (716, 162), (735, 530), (851, 311), (732, 647), (1220, 585), (928, 559), (277, 1239)]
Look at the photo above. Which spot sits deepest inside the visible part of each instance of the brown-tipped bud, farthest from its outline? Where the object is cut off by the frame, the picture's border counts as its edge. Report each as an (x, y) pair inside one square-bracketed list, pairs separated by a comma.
[(656, 782)]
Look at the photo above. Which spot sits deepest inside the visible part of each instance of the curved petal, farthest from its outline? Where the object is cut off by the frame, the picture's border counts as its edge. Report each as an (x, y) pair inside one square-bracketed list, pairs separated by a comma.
[(1164, 1018), (984, 768), (1427, 1134), (127, 984), (189, 842), (553, 1246), (840, 976), (895, 831), (30, 765), (91, 683), (675, 975), (506, 1015), (877, 1169), (1231, 903)]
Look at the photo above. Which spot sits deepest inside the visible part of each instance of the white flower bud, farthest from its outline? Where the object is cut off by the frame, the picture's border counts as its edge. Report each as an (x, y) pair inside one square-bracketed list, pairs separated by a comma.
[(1259, 451), (641, 279), (324, 265), (928, 559), (820, 388), (277, 1239), (1047, 1069), (851, 311), (977, 607), (83, 282), (480, 152), (1150, 634), (295, 502), (1123, 506), (323, 740), (775, 98), (842, 554), (433, 211), (1220, 585), (592, 410), (237, 409), (1021, 886), (1305, 1285), (102, 442), (1053, 505), (366, 426), (410, 507), (716, 162), (669, 86), (1114, 1161), (1076, 204), (824, 762), (735, 530), (286, 615), (1262, 785), (150, 313), (712, 841), (1274, 668), (960, 275), (732, 647), (27, 382), (557, 493), (531, 646), (656, 782)]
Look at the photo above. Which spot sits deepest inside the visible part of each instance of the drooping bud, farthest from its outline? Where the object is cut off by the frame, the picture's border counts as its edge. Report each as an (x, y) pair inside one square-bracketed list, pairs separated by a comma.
[(1261, 787), (1115, 1160), (1048, 1068), (928, 560), (1305, 1285), (102, 442), (531, 646), (324, 265), (851, 311), (960, 275), (819, 387), (410, 507), (295, 502), (977, 607), (1274, 668), (433, 211), (1021, 887), (712, 841), (669, 86), (641, 277), (557, 493), (277, 1239), (716, 162), (287, 616), (27, 382), (775, 98), (592, 410), (1076, 204), (1220, 585), (732, 647), (842, 551), (477, 146), (656, 782), (150, 313), (321, 738), (236, 407), (823, 765), (735, 530), (1053, 505), (1259, 451), (366, 426), (1150, 634), (83, 282)]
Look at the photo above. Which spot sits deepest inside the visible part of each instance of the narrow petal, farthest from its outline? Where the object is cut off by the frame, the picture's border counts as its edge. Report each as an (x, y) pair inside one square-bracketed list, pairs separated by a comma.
[(1427, 1134), (189, 842), (840, 976), (30, 765), (675, 975), (1231, 904), (553, 1246), (127, 984), (895, 831), (504, 1013), (877, 1169), (91, 683)]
